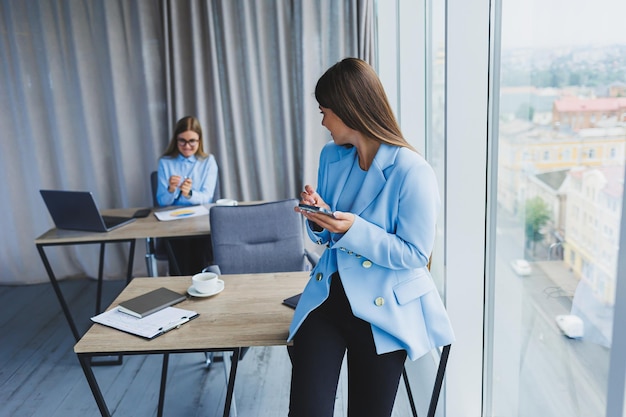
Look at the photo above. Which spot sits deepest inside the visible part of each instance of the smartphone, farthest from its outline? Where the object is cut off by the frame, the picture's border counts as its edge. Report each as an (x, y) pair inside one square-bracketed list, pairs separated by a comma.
[(315, 209), (142, 213)]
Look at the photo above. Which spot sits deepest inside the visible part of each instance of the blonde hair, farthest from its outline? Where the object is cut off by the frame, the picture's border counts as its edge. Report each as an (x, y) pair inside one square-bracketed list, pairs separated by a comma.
[(183, 125)]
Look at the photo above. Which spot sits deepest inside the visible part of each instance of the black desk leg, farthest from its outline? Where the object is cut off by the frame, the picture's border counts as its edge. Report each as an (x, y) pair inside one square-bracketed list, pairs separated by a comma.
[(231, 381), (129, 272), (59, 294), (100, 276), (166, 360), (85, 363), (131, 259)]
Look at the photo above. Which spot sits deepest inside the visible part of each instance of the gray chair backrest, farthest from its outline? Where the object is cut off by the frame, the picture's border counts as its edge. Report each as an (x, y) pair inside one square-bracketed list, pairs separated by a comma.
[(258, 238)]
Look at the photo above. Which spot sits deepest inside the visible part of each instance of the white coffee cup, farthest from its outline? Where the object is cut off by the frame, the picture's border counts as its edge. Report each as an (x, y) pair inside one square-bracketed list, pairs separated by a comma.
[(226, 202), (204, 282)]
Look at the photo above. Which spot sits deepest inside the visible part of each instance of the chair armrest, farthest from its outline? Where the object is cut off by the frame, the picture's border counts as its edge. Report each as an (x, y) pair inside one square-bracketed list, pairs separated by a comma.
[(213, 268)]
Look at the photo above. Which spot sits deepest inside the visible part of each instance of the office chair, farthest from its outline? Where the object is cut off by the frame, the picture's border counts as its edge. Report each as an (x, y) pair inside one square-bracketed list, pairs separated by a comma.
[(257, 238)]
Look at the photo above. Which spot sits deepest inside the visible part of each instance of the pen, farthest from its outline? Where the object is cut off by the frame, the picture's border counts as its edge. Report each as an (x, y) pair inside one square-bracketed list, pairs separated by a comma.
[(180, 192), (174, 325), (184, 214)]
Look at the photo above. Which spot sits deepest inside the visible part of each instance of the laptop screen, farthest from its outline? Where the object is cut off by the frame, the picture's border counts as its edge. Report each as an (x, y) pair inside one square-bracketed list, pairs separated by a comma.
[(76, 210)]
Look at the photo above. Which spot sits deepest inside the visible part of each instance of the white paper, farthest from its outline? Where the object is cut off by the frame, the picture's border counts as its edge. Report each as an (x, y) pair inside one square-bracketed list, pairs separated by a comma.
[(182, 212), (148, 327)]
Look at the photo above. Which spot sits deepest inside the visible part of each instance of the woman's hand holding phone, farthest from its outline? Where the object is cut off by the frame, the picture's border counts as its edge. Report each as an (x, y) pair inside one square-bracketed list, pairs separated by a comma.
[(311, 202), (315, 209)]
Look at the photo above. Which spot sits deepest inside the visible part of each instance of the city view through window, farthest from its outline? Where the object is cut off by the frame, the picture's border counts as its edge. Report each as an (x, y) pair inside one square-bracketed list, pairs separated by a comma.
[(560, 180)]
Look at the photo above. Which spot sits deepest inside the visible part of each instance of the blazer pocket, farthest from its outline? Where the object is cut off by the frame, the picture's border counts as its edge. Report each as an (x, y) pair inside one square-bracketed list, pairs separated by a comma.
[(410, 290)]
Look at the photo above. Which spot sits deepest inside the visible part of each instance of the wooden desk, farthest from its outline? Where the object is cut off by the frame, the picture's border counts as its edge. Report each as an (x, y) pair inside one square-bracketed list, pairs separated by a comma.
[(248, 312), (143, 228), (146, 227)]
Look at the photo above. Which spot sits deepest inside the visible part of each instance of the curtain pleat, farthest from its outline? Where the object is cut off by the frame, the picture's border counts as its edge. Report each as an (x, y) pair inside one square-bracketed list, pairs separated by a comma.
[(90, 91)]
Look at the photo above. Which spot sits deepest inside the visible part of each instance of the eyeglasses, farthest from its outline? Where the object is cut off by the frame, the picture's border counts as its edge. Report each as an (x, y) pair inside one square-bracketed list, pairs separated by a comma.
[(190, 142)]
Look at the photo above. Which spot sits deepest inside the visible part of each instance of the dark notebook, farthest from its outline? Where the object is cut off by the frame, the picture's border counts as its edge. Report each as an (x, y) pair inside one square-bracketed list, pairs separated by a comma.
[(292, 301), (151, 302)]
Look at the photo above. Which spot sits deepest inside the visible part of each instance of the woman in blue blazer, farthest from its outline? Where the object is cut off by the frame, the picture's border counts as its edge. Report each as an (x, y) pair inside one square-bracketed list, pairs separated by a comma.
[(371, 294)]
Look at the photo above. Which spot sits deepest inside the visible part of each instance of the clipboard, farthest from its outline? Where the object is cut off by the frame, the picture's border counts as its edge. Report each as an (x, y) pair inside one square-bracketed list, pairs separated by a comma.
[(181, 212), (148, 327)]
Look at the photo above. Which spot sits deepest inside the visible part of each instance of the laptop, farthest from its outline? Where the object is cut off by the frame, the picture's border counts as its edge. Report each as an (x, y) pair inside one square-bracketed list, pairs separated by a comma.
[(77, 210)]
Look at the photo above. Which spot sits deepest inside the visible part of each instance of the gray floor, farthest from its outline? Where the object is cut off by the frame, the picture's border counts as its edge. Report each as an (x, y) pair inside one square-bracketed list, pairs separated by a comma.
[(40, 375)]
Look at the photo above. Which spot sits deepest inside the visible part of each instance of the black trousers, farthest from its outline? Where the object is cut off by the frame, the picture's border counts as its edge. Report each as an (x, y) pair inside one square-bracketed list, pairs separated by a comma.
[(317, 354), (192, 254)]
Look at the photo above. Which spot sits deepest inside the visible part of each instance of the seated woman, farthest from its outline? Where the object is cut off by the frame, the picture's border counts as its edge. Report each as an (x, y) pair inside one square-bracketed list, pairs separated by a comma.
[(187, 175)]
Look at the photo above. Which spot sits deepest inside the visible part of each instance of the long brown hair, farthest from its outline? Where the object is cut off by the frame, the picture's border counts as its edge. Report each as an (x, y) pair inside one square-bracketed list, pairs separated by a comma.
[(353, 91), (183, 125)]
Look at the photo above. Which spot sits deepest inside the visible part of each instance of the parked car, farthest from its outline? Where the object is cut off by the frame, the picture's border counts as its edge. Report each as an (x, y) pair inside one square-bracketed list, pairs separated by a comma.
[(521, 267), (572, 326)]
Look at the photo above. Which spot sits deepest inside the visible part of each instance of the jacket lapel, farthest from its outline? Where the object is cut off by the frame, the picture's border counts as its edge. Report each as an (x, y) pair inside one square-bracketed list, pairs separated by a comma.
[(375, 179), (338, 171)]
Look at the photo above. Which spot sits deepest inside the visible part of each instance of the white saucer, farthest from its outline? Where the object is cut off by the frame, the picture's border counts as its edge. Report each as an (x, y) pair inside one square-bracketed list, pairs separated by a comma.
[(192, 291)]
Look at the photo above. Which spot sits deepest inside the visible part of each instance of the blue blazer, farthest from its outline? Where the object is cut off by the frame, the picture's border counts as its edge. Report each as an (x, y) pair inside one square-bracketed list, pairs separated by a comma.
[(382, 259)]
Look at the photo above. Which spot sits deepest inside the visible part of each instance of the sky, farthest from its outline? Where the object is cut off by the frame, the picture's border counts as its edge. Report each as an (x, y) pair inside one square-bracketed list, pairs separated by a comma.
[(550, 23)]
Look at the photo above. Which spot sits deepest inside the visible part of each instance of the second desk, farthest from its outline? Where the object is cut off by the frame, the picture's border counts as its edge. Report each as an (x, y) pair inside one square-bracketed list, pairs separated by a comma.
[(146, 228)]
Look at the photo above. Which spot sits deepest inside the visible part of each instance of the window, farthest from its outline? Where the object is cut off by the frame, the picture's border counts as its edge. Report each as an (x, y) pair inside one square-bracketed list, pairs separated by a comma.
[(566, 155), (522, 362), (550, 331)]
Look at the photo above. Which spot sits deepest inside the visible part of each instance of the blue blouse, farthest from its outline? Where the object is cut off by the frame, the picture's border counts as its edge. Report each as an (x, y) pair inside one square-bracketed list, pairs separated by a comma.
[(203, 174)]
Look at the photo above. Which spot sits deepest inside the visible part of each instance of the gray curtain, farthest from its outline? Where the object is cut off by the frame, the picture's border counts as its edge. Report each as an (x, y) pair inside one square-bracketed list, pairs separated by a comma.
[(90, 90)]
